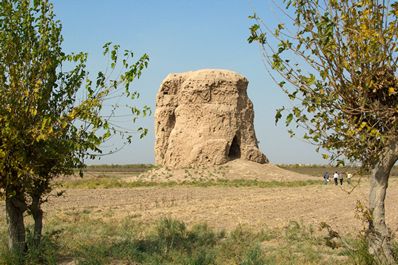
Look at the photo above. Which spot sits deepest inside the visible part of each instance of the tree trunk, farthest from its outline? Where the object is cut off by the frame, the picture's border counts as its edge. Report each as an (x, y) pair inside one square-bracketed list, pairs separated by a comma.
[(15, 208), (379, 237), (37, 214)]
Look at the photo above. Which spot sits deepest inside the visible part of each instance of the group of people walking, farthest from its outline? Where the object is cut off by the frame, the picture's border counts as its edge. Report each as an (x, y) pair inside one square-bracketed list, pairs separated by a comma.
[(337, 177)]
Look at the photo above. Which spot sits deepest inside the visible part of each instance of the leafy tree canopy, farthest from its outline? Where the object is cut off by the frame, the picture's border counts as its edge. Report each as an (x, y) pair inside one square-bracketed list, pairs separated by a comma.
[(52, 119), (339, 62)]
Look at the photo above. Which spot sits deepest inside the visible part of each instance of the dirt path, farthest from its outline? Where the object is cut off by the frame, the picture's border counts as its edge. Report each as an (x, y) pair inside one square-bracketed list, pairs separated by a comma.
[(224, 207)]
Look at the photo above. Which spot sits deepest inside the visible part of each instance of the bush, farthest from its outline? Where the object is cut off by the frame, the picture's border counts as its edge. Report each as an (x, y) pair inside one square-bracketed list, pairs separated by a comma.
[(254, 257), (170, 234)]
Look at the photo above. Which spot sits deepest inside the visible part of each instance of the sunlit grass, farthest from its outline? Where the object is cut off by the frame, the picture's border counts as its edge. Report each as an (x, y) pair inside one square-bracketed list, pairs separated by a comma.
[(108, 183), (169, 241)]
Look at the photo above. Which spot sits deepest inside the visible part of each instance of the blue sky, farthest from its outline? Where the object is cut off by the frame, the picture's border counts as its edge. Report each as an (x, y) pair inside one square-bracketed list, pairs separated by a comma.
[(183, 35)]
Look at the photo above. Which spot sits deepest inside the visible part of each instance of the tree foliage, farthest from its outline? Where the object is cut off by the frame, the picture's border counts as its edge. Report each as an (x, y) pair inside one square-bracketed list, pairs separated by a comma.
[(338, 60), (343, 75), (52, 114)]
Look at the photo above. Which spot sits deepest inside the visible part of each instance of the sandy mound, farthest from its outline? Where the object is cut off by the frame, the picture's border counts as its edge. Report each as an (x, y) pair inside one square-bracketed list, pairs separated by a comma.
[(232, 170)]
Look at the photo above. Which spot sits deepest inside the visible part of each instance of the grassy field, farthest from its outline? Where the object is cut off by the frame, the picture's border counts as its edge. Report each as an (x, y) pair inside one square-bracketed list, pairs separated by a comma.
[(168, 241), (131, 168), (114, 182), (119, 234)]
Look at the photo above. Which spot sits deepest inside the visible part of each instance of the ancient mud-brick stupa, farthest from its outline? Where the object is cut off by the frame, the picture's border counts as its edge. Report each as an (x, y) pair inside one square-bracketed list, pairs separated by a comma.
[(204, 118)]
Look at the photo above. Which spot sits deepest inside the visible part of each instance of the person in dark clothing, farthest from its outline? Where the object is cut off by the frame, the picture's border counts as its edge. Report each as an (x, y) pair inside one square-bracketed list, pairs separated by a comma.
[(326, 178)]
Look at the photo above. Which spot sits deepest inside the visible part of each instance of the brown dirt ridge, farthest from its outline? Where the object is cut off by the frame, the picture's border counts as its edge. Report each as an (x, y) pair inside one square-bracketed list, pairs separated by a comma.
[(237, 169)]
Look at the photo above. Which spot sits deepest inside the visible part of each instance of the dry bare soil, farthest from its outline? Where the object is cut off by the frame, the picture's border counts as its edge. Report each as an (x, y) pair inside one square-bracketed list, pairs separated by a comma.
[(225, 207)]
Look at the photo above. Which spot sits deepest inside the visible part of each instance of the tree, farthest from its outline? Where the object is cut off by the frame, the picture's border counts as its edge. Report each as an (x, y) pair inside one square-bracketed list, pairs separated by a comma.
[(338, 61), (52, 119)]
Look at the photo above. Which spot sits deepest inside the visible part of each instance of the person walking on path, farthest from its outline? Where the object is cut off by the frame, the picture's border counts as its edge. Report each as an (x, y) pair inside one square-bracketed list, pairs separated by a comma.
[(326, 178), (341, 177), (336, 178), (349, 176)]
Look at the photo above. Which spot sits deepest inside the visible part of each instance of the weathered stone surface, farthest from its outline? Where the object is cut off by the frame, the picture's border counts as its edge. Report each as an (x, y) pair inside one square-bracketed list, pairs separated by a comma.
[(204, 118)]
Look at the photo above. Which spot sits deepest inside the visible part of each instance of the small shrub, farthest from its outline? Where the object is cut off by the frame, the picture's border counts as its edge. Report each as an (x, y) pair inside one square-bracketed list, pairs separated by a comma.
[(358, 252), (46, 251), (253, 257), (170, 234), (202, 235)]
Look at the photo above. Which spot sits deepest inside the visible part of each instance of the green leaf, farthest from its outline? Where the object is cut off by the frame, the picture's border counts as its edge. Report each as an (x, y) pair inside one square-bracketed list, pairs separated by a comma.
[(107, 135), (289, 119), (278, 115)]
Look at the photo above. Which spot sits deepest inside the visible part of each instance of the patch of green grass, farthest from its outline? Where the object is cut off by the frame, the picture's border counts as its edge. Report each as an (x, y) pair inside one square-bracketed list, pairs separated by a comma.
[(255, 183), (119, 168), (107, 183), (93, 241), (169, 242), (98, 183)]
